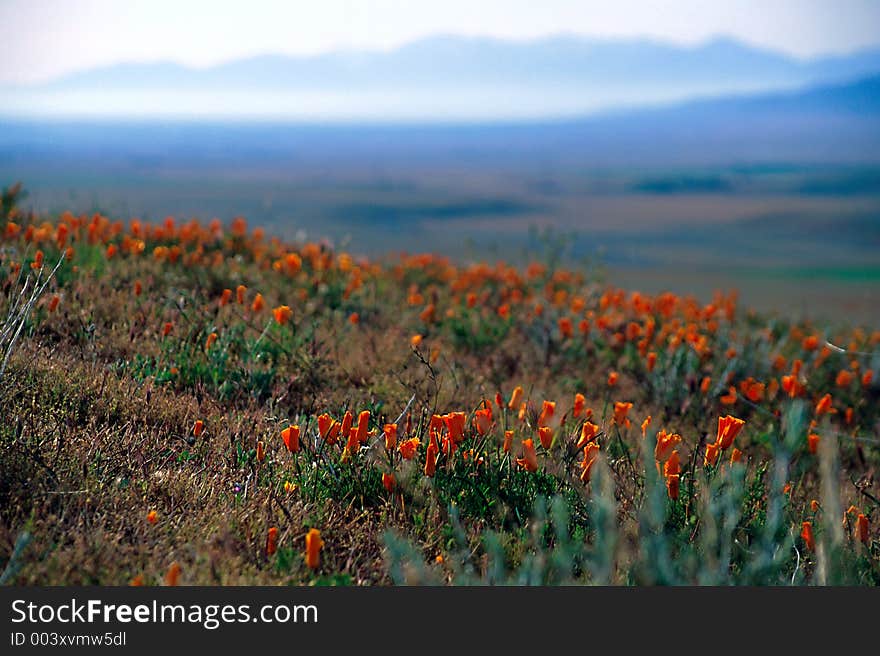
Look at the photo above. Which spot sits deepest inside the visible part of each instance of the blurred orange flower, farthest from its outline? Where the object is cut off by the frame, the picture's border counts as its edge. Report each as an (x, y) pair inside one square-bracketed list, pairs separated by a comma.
[(807, 535), (314, 544), (272, 541)]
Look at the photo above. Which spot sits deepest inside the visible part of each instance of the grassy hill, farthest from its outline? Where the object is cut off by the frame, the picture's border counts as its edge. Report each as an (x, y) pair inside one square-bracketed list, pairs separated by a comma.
[(189, 403)]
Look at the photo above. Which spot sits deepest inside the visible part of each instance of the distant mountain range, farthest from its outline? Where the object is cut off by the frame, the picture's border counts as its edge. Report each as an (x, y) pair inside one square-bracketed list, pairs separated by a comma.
[(440, 78), (832, 123)]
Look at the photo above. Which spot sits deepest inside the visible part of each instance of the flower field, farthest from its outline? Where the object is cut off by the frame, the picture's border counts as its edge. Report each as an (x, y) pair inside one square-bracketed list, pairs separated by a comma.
[(200, 403)]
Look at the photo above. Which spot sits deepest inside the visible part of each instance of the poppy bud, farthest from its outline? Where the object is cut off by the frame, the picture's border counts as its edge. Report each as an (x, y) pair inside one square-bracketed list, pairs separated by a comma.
[(390, 432), (862, 528), (271, 541), (672, 484), (314, 543), (545, 433), (515, 398), (172, 576)]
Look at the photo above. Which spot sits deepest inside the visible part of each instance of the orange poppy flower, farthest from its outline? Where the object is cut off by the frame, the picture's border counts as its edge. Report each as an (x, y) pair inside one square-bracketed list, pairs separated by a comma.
[(272, 541), (363, 426), (347, 421), (198, 427), (515, 398), (730, 397), (53, 302), (645, 424), (579, 404), (529, 461), (807, 535), (753, 390), (329, 428), (431, 454), (282, 314), (325, 421), (152, 517), (548, 408), (261, 451), (566, 328), (290, 435), (240, 291), (172, 576), (354, 318), (867, 378), (210, 341), (824, 405), (672, 486), (666, 444), (735, 456), (455, 423), (483, 421), (545, 434), (813, 443), (258, 304), (588, 433), (390, 432), (672, 466), (427, 315), (862, 528), (508, 441), (388, 481), (712, 451), (810, 343), (612, 378), (651, 361), (293, 263), (728, 428), (353, 445), (704, 384), (591, 453), (844, 378), (791, 386), (225, 297), (408, 448), (620, 411), (314, 544)]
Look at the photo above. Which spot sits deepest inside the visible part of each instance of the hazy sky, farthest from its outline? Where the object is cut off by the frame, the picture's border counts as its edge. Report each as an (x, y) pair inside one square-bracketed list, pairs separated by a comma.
[(46, 38)]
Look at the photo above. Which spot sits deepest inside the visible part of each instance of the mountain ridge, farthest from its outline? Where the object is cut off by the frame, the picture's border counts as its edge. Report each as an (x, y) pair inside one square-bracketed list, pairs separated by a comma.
[(440, 77)]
